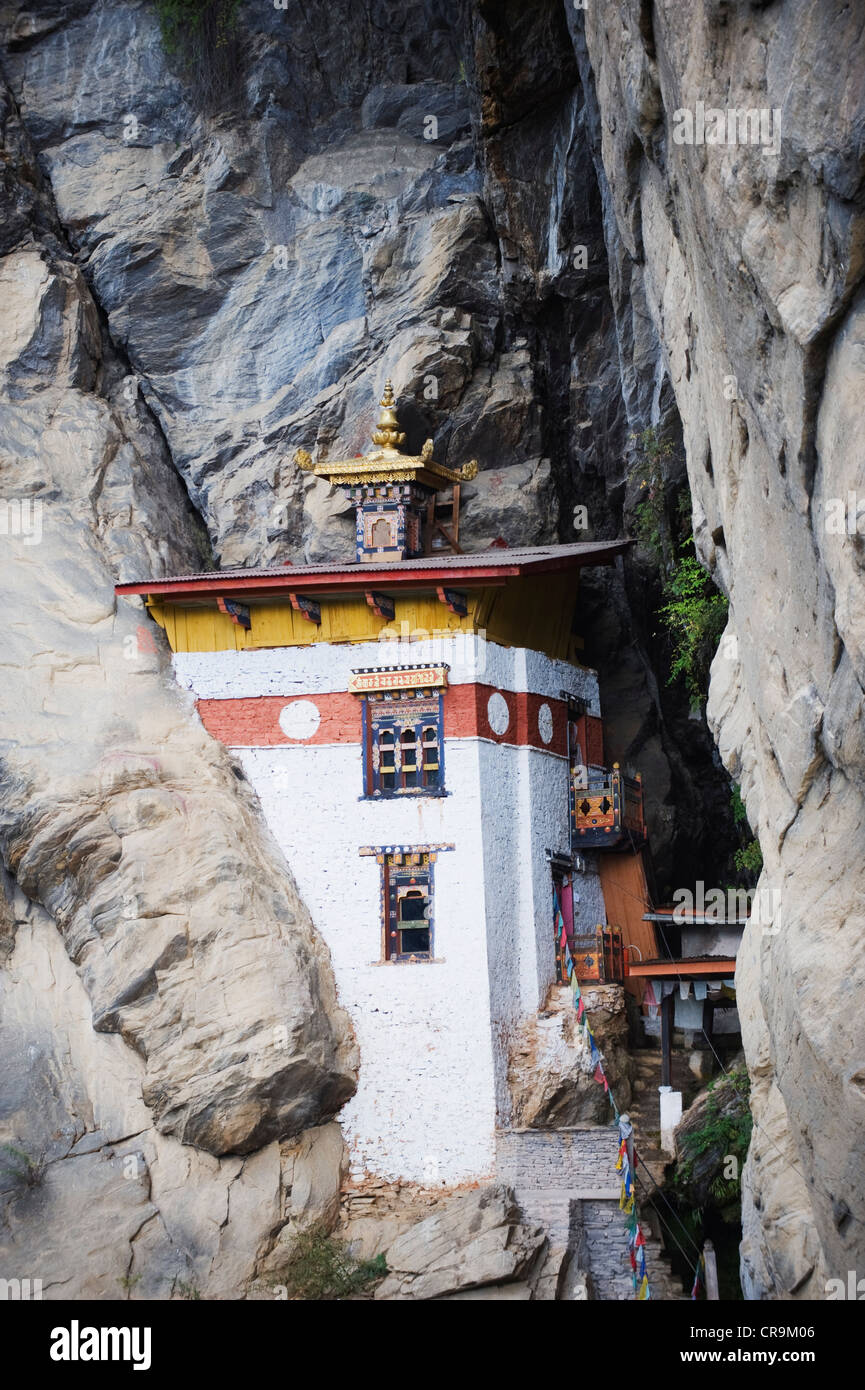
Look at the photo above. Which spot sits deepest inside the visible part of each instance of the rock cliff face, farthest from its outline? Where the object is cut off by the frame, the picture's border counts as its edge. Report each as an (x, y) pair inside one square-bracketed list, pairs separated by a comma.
[(748, 260), (551, 1071), (136, 833), (412, 195), (485, 201)]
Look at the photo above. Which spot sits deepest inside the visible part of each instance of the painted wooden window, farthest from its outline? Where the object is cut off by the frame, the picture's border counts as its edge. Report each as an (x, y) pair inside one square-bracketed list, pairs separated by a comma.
[(403, 744), (408, 895), (386, 770)]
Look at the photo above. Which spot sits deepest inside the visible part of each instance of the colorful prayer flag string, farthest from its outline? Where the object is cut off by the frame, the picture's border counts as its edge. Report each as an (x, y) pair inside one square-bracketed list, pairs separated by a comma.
[(627, 1197)]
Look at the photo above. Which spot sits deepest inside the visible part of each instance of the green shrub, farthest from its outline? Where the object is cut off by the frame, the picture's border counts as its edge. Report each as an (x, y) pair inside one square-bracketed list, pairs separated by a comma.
[(651, 526), (321, 1268), (201, 36), (725, 1132), (749, 859), (184, 1289), (694, 613), (740, 815), (695, 616), (24, 1170)]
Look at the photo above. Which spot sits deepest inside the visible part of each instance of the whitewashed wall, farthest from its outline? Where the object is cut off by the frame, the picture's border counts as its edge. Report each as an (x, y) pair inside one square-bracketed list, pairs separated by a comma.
[(326, 666), (433, 1036), (425, 1105)]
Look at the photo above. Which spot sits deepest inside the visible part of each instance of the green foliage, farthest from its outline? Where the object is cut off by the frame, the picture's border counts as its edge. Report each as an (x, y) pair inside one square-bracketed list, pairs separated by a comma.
[(24, 1170), (740, 815), (694, 613), (186, 1290), (695, 616), (321, 1268), (650, 514), (726, 1130), (184, 21), (749, 859), (201, 37)]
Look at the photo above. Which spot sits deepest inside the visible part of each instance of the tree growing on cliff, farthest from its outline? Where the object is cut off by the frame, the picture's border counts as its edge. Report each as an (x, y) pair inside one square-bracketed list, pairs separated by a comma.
[(695, 616), (694, 612)]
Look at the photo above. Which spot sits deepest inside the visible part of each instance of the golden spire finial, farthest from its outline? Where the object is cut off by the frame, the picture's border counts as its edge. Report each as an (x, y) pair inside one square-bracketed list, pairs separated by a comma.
[(387, 432)]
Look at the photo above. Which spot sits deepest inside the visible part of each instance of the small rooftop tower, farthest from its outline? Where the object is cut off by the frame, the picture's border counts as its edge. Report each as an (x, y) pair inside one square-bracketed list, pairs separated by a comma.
[(390, 490)]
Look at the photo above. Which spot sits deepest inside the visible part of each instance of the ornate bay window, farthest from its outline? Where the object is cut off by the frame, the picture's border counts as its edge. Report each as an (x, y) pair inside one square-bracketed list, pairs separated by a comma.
[(403, 738), (606, 807)]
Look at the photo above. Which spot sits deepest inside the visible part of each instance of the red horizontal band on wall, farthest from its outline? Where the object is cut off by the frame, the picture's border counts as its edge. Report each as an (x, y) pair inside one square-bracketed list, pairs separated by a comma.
[(466, 716), (254, 721)]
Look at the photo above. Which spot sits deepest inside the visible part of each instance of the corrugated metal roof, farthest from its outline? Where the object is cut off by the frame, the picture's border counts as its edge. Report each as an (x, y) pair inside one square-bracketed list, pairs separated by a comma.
[(689, 917), (502, 558)]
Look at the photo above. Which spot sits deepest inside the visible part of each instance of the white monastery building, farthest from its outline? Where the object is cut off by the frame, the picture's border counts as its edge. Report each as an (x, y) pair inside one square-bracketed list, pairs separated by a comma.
[(427, 750)]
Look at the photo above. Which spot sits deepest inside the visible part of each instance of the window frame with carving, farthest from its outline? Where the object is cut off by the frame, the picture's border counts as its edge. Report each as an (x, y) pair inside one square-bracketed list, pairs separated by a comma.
[(403, 744), (408, 879), (406, 871)]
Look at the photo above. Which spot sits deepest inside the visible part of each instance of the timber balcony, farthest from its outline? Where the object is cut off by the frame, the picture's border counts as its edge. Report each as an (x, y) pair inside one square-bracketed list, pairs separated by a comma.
[(607, 812)]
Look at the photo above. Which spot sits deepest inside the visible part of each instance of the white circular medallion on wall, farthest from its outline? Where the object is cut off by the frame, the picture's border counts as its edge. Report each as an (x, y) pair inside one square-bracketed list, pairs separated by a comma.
[(545, 723), (300, 720), (498, 714)]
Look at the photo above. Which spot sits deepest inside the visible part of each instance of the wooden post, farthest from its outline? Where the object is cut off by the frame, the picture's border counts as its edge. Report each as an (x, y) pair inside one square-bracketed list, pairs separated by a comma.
[(709, 1022), (711, 1271), (434, 527), (429, 528), (667, 1039)]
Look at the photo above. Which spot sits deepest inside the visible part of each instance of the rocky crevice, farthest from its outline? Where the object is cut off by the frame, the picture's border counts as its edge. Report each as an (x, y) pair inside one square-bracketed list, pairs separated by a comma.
[(747, 261)]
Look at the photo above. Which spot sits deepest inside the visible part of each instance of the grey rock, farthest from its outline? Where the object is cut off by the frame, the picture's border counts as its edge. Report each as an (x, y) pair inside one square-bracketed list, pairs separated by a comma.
[(120, 816), (476, 1239), (745, 258)]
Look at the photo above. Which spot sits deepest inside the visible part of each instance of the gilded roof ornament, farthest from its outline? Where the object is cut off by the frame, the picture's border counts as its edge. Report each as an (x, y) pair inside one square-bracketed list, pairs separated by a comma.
[(386, 463), (387, 432)]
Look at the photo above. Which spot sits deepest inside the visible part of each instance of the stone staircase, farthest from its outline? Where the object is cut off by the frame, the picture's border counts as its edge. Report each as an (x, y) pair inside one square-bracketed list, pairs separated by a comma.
[(663, 1283), (652, 1161), (565, 1180), (644, 1111)]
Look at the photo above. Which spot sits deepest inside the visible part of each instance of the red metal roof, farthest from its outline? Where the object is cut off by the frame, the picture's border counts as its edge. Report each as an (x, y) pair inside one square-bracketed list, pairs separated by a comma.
[(482, 567)]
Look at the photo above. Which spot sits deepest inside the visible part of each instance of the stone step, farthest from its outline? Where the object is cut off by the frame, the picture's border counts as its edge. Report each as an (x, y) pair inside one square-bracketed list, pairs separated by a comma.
[(550, 1171)]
